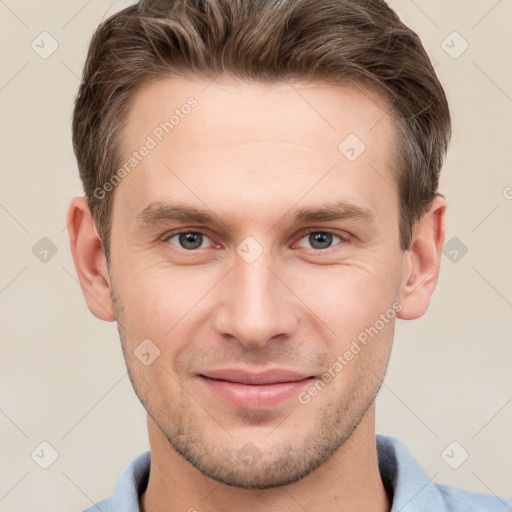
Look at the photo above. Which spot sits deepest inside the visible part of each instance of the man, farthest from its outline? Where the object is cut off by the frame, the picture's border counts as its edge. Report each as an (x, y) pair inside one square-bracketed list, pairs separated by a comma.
[(261, 205)]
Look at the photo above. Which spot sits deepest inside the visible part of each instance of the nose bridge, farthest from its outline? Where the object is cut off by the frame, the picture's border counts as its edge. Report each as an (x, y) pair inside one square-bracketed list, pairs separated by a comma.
[(252, 285), (256, 306)]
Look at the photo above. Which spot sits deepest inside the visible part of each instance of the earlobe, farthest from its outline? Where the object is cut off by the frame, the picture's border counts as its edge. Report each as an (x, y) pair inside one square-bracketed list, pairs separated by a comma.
[(89, 259), (420, 264)]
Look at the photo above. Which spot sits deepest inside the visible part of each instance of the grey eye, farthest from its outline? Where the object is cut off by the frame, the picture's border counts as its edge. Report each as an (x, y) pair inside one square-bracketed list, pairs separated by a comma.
[(320, 240), (188, 239)]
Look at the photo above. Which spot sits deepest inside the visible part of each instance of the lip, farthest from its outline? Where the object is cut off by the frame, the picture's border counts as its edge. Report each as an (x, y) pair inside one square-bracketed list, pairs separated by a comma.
[(255, 391), (271, 376)]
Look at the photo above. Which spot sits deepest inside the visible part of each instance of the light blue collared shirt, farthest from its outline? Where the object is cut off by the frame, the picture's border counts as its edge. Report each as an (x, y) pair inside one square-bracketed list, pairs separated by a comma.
[(405, 480)]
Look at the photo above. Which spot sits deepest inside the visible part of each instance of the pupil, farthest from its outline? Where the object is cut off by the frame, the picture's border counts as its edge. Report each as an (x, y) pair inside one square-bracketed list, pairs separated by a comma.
[(190, 240), (320, 240)]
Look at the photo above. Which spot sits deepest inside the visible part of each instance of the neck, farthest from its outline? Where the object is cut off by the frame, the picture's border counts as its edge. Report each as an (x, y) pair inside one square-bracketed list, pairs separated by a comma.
[(349, 480)]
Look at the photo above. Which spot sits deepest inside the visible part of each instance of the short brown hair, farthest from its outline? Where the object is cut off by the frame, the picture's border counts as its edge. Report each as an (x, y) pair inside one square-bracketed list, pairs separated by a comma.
[(334, 41)]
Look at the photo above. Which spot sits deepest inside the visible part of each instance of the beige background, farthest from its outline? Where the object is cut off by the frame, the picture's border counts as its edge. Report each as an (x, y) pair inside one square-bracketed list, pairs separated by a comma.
[(62, 375)]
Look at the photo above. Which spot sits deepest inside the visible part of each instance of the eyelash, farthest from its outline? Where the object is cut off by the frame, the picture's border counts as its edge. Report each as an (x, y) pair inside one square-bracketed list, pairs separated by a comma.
[(342, 238)]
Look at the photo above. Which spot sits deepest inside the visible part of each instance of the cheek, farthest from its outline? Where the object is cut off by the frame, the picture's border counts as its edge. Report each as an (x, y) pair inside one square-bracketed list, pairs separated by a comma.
[(159, 301), (347, 297), (156, 288), (359, 358)]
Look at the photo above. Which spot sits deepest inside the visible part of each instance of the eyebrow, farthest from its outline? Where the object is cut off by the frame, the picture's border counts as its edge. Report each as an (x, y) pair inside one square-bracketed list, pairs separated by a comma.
[(337, 211), (158, 212)]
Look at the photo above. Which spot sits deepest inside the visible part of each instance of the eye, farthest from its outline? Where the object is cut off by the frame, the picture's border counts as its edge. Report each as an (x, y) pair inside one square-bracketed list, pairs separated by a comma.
[(188, 240), (321, 239)]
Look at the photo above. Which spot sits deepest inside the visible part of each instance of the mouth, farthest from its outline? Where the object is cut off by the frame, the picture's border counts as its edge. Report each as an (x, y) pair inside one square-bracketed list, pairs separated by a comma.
[(254, 391)]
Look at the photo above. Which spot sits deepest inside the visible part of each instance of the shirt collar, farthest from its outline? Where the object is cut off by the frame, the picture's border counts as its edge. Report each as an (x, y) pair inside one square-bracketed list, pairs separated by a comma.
[(411, 488), (131, 484)]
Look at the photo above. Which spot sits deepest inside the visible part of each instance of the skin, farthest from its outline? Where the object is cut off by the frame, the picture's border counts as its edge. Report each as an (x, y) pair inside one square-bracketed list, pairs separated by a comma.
[(252, 155)]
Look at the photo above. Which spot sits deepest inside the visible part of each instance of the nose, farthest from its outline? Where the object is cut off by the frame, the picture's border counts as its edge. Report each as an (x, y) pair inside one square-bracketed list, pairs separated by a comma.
[(256, 307)]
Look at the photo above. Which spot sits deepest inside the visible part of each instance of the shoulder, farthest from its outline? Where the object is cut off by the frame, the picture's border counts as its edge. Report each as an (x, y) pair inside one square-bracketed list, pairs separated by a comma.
[(131, 484), (413, 490), (458, 499)]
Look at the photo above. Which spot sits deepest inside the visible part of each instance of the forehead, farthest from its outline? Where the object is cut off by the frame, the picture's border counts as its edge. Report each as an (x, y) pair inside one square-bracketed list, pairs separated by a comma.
[(323, 112), (260, 142)]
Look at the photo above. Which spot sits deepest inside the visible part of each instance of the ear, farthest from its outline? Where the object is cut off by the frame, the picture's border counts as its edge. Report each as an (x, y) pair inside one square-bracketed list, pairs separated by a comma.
[(420, 263), (89, 259)]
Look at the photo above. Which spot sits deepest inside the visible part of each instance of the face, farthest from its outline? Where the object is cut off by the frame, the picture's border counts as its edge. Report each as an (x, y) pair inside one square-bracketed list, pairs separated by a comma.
[(252, 245)]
